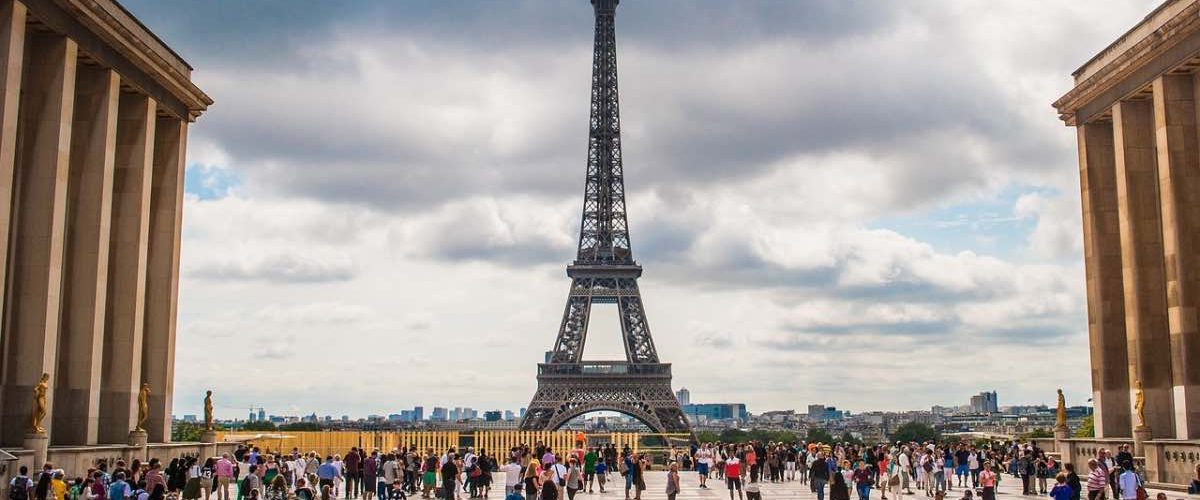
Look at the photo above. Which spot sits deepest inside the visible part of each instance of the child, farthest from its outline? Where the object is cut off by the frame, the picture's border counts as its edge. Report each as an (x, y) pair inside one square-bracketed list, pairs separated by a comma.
[(753, 492), (968, 494), (1061, 490), (601, 474)]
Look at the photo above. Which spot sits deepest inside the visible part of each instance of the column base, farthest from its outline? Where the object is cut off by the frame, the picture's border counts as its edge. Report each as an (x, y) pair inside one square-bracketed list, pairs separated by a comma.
[(39, 442), (1141, 434), (208, 437), (138, 437)]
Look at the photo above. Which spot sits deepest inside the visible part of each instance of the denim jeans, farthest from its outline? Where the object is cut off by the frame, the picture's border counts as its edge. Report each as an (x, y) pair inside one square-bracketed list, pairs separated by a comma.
[(819, 487), (864, 491)]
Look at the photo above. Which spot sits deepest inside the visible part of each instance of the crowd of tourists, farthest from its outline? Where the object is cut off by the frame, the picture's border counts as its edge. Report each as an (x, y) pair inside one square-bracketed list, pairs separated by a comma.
[(542, 473)]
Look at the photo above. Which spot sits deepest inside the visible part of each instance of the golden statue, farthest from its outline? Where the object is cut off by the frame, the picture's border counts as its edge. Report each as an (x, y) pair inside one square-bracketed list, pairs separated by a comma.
[(39, 405), (1062, 411), (1139, 404), (208, 411), (143, 407)]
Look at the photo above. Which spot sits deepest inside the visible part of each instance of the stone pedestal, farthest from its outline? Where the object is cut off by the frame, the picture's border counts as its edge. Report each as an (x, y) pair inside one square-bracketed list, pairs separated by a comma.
[(39, 442), (138, 439), (1141, 434), (208, 440), (1061, 434)]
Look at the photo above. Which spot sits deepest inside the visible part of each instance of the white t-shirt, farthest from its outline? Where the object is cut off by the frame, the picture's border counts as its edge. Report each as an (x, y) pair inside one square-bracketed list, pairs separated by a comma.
[(704, 456), (512, 474)]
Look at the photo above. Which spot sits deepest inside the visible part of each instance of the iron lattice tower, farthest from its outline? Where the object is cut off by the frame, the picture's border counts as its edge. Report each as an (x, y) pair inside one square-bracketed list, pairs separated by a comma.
[(604, 272)]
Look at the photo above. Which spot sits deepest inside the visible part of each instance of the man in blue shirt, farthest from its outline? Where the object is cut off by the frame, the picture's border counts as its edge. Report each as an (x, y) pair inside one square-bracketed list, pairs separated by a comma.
[(326, 473), (119, 489)]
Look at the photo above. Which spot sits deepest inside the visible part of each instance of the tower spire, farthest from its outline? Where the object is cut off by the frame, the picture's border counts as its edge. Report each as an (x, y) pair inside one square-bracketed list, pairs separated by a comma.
[(604, 232)]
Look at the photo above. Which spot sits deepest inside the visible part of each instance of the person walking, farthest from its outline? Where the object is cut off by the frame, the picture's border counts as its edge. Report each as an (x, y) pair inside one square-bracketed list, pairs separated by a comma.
[(224, 471), (987, 480), (673, 481), (1097, 481), (862, 481), (733, 476), (818, 475)]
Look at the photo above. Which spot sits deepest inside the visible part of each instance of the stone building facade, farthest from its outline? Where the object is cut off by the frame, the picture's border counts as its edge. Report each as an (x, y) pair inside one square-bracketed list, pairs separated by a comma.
[(94, 114), (1135, 107)]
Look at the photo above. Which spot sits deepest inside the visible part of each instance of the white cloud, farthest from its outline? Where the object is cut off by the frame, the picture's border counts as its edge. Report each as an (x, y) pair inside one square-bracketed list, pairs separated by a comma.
[(409, 196)]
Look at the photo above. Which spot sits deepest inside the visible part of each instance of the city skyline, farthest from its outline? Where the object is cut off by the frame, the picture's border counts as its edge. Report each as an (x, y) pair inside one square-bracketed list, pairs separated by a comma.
[(813, 190)]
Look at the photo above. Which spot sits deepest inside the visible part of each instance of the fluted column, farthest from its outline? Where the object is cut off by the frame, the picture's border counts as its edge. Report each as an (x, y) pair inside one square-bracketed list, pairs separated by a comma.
[(162, 273), (1179, 184), (1142, 261), (85, 286), (1105, 292), (35, 282), (122, 366), (12, 50)]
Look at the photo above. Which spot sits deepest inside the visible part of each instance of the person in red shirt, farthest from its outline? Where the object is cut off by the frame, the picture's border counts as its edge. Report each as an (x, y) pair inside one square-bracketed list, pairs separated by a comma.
[(733, 475)]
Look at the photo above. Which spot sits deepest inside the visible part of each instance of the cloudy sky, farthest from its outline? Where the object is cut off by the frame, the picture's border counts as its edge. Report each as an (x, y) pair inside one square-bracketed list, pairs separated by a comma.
[(866, 204)]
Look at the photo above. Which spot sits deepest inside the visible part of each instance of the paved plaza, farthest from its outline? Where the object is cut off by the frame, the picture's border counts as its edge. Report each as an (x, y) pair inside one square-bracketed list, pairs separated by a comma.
[(656, 481)]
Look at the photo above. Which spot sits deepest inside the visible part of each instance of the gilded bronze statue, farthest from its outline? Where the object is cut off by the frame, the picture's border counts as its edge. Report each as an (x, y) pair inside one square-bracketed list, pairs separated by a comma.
[(39, 405), (208, 411), (143, 407), (1139, 404), (1062, 411)]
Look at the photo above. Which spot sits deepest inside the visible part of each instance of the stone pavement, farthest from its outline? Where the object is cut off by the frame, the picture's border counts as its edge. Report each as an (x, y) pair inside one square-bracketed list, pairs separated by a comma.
[(1010, 487)]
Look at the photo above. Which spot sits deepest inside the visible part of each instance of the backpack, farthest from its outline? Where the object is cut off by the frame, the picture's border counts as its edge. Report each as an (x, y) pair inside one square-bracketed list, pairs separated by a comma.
[(19, 492)]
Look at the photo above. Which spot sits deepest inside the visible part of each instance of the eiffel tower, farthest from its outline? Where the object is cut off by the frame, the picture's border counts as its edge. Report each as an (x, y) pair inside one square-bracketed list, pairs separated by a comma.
[(604, 272)]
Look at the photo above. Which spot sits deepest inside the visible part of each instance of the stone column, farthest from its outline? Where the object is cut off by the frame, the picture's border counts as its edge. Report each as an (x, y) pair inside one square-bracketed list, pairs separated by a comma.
[(12, 50), (1146, 331), (35, 283), (1179, 184), (122, 368), (93, 149), (162, 273), (1105, 291)]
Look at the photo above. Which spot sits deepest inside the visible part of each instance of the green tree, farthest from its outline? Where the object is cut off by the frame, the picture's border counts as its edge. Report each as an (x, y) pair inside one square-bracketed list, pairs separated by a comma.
[(707, 437), (258, 426), (818, 435), (300, 426), (915, 432), (734, 436), (186, 432), (1087, 428)]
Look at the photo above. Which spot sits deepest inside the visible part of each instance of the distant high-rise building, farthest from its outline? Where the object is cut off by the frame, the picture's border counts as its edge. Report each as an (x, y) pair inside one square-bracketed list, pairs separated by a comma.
[(822, 413), (439, 414), (985, 402), (684, 396), (262, 415), (721, 411), (522, 412), (251, 417), (491, 416), (418, 413), (509, 416)]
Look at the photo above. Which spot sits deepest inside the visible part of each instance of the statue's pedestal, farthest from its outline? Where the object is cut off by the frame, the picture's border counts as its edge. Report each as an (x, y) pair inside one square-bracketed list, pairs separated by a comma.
[(138, 438), (1061, 434), (209, 440), (39, 442), (1141, 434)]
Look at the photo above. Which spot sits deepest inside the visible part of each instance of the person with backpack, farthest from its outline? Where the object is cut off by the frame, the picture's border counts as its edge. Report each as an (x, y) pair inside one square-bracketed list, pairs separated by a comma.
[(20, 487), (119, 489)]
